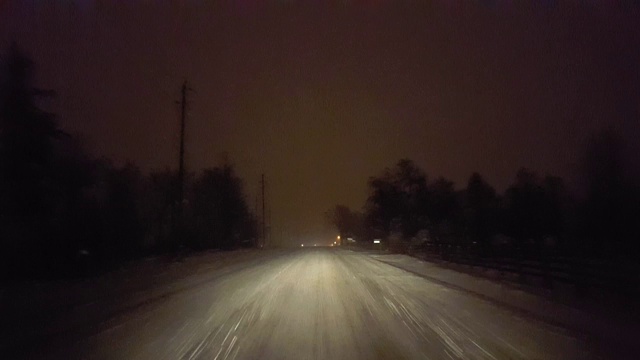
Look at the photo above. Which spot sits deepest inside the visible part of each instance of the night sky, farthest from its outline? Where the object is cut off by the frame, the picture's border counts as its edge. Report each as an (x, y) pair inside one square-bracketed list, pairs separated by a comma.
[(320, 97)]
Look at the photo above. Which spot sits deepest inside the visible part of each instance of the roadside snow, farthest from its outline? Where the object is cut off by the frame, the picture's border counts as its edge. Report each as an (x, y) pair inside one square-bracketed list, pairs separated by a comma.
[(599, 323), (43, 310)]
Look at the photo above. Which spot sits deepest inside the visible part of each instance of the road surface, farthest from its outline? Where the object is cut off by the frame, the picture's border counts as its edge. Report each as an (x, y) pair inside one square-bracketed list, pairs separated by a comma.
[(317, 304)]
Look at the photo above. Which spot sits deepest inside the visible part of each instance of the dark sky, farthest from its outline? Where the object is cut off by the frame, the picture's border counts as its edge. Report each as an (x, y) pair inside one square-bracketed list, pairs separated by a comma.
[(320, 95)]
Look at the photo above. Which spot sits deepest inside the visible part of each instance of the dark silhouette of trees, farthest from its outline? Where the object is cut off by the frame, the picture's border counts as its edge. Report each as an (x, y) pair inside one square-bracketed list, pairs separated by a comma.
[(157, 209), (72, 176), (481, 206), (29, 187), (612, 204), (104, 226), (348, 222), (556, 204), (402, 202), (121, 229), (536, 217), (65, 214), (397, 200), (524, 202), (444, 211), (221, 218)]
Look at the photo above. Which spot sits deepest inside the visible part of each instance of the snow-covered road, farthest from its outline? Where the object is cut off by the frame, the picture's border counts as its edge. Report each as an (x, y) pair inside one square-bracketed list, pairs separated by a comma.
[(318, 304)]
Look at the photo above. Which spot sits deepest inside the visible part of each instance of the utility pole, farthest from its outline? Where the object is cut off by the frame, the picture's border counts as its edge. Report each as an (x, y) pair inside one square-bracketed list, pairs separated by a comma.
[(179, 201), (264, 222), (183, 109), (257, 217)]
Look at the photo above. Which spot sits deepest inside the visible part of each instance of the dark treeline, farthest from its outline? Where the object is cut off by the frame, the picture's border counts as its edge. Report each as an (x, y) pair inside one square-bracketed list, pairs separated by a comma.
[(536, 218), (63, 213)]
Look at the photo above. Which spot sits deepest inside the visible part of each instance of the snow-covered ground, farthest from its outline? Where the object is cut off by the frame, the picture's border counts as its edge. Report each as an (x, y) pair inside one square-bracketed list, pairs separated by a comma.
[(43, 312), (594, 319), (287, 304)]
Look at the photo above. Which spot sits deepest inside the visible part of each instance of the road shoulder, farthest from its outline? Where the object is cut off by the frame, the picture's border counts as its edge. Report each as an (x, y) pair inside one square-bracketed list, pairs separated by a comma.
[(597, 325)]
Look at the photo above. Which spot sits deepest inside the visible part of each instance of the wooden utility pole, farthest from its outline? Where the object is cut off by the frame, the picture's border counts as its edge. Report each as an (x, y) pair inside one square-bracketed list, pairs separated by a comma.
[(264, 219), (183, 109), (178, 189)]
